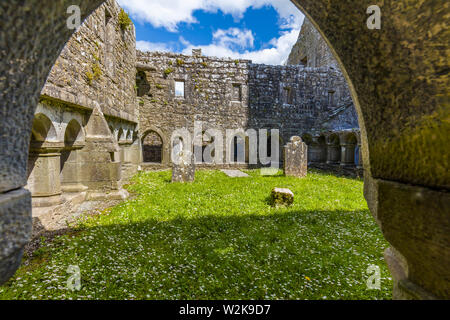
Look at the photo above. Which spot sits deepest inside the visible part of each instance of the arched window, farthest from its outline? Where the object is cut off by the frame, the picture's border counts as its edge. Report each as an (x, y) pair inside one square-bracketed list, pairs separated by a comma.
[(152, 146), (73, 133), (120, 135), (43, 129)]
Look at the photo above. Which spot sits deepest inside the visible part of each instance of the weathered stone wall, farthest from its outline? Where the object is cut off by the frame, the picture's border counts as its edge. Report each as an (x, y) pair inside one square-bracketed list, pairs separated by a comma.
[(311, 49), (208, 93), (97, 66), (84, 137), (296, 100), (233, 94)]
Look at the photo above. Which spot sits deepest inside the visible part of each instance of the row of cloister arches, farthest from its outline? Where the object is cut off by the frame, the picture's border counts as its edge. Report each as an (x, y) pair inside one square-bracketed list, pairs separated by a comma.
[(52, 160), (335, 148)]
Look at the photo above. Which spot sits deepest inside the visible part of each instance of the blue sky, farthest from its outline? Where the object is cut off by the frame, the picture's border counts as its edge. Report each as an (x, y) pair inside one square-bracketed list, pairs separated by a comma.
[(263, 31)]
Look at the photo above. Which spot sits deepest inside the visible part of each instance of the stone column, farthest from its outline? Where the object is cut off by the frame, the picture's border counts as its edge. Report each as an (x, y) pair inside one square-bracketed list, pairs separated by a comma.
[(43, 174), (347, 154), (333, 150), (316, 151), (71, 167), (333, 153), (360, 156), (130, 158)]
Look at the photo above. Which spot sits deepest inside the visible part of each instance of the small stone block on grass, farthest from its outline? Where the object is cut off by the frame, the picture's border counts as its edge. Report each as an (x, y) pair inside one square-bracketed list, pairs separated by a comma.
[(282, 197), (235, 173)]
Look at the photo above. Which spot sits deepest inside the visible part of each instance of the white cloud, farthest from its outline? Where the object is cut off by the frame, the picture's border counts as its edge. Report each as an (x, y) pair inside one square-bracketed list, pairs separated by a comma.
[(233, 42), (276, 54), (234, 38), (169, 13)]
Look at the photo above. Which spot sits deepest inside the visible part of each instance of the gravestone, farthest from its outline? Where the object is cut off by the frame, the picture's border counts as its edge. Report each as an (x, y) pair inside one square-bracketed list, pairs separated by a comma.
[(295, 158), (183, 168)]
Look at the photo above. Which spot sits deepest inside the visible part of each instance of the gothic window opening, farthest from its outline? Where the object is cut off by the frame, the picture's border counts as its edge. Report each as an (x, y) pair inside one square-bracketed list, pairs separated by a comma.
[(152, 146)]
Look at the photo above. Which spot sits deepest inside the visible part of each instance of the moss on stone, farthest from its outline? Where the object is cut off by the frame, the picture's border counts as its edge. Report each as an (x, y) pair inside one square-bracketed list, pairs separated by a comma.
[(124, 20), (168, 71), (94, 74)]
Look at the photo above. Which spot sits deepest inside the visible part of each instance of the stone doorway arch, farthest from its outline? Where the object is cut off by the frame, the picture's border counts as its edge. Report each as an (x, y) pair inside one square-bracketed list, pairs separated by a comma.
[(398, 77)]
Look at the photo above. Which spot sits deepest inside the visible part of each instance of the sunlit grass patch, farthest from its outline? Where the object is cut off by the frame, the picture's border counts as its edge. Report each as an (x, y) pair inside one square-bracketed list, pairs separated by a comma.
[(217, 238)]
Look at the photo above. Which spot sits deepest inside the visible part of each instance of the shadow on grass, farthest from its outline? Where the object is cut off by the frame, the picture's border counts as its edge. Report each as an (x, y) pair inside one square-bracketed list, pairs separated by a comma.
[(217, 257)]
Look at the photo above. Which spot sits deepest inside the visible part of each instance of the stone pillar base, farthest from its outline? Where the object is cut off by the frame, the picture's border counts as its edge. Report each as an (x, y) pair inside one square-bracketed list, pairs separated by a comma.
[(46, 201), (73, 188), (121, 194), (403, 289)]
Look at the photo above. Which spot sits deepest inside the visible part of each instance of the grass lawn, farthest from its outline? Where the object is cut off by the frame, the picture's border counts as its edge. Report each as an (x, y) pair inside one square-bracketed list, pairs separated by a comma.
[(217, 238)]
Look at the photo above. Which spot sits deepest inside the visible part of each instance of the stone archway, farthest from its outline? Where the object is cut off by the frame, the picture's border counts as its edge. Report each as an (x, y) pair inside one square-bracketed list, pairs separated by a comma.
[(152, 147), (398, 77)]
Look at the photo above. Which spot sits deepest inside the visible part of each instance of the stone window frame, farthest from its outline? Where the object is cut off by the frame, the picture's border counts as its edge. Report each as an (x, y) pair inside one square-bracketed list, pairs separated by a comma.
[(288, 98), (244, 92), (182, 95), (331, 98), (180, 78), (233, 86)]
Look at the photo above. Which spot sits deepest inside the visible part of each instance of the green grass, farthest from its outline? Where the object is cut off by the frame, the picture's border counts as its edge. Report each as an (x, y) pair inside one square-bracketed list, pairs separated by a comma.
[(217, 238)]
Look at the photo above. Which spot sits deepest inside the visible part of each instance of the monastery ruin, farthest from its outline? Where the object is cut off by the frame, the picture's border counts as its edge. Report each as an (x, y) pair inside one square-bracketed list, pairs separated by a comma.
[(107, 111)]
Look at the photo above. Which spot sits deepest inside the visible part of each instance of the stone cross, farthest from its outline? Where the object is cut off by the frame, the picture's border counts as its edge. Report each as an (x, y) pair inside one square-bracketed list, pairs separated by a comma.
[(295, 158)]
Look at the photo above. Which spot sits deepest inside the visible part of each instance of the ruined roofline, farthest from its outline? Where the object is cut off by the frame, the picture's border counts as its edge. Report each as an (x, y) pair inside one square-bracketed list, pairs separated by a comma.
[(143, 66), (181, 55)]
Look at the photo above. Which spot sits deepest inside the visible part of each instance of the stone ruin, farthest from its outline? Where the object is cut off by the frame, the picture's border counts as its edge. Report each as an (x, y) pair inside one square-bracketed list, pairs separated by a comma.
[(107, 110), (406, 190)]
